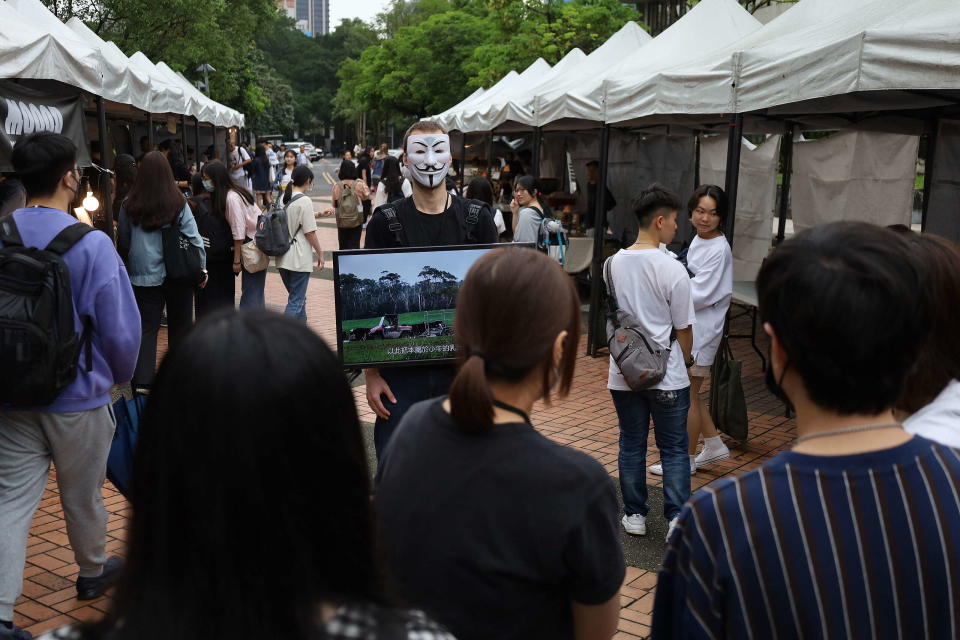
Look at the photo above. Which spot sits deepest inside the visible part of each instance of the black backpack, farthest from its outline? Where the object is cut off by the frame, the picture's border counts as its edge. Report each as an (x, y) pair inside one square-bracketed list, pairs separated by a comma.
[(39, 345), (467, 211)]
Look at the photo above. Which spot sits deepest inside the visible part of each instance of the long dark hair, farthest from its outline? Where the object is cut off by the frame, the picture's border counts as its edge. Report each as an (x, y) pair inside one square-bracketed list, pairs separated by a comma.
[(392, 177), (154, 199), (261, 156), (504, 284), (226, 538), (531, 185), (480, 189), (222, 185), (939, 359), (348, 170)]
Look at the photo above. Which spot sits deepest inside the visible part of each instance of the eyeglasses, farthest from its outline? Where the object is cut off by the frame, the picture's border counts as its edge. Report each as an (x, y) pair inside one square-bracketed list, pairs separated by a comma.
[(709, 212)]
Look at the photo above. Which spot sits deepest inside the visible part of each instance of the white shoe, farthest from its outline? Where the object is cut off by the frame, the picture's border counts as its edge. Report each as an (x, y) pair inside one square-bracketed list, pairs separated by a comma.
[(673, 525), (635, 525), (657, 469), (710, 454)]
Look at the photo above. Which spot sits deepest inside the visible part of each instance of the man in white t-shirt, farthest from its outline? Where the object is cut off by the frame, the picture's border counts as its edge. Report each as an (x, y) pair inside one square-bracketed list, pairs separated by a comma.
[(239, 158), (655, 288)]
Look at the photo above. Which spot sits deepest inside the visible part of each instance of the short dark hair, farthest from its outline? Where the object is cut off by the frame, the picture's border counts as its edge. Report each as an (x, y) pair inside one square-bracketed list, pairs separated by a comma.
[(711, 191), (233, 437), (652, 201), (348, 170), (939, 359), (844, 300), (40, 161), (12, 196), (422, 126), (165, 145), (480, 189), (594, 164)]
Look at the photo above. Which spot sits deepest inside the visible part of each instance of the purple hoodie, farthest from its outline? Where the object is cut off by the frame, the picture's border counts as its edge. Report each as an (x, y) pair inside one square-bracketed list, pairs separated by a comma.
[(102, 293)]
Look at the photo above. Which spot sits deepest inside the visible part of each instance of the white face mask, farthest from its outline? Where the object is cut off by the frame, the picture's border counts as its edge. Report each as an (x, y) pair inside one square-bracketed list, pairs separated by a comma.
[(429, 158)]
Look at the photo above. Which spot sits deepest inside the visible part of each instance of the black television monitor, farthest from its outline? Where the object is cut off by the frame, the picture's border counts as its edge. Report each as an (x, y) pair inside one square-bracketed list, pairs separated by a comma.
[(397, 306)]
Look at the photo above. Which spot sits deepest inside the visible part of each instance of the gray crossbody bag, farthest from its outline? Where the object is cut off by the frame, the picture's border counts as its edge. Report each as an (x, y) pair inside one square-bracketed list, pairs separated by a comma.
[(642, 362)]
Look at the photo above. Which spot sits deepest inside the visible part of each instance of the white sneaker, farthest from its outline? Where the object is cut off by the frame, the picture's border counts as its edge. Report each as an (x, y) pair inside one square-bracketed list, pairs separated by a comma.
[(657, 469), (673, 525), (635, 525), (712, 453)]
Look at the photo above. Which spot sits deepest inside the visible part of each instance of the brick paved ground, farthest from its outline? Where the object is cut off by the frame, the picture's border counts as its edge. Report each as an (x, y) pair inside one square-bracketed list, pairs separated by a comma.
[(586, 420)]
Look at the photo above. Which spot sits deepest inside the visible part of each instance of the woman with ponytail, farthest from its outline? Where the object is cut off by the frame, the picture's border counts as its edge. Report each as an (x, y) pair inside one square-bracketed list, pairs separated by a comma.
[(494, 528)]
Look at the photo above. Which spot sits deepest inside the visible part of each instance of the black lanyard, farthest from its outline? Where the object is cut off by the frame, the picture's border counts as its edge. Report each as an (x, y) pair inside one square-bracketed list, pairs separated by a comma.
[(511, 409)]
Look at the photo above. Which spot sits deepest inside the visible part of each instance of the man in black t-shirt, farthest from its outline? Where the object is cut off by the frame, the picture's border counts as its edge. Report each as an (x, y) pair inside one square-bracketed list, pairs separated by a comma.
[(429, 218)]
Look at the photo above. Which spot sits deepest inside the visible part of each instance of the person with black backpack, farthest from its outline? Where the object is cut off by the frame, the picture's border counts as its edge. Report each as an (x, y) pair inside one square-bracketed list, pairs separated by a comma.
[(430, 217), (71, 330)]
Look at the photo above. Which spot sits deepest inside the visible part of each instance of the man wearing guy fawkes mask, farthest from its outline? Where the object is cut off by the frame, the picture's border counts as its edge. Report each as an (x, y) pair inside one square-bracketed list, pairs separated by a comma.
[(430, 217)]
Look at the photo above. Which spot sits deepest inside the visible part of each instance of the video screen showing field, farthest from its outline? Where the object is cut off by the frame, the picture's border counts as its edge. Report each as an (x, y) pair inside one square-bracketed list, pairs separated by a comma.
[(397, 307)]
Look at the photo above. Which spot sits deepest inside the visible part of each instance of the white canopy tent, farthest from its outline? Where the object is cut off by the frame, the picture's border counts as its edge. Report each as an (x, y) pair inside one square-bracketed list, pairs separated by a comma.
[(551, 105), (859, 46), (462, 104), (515, 102), (31, 52), (130, 85), (469, 119)]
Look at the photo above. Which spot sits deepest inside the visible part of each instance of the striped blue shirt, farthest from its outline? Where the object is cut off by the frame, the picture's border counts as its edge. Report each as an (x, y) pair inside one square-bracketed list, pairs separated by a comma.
[(853, 546)]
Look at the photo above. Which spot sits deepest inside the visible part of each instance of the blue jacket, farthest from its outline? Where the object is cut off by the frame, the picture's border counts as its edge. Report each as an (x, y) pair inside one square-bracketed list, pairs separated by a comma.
[(144, 249), (101, 295)]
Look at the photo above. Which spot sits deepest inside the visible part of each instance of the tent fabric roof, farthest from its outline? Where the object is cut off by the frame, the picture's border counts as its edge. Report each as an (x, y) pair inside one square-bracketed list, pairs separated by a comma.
[(468, 119), (865, 45), (28, 51), (551, 104), (35, 44), (721, 23), (515, 103), (816, 49)]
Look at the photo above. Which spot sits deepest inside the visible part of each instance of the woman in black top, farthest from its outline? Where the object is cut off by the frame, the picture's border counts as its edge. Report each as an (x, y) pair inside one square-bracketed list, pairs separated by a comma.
[(486, 524)]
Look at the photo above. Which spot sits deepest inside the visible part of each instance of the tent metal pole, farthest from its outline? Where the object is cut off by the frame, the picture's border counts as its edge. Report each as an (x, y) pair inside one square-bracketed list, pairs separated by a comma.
[(786, 165), (490, 156), (183, 136), (733, 173), (537, 142), (594, 328), (150, 130), (213, 143), (696, 159), (928, 168), (105, 179), (196, 148), (463, 159)]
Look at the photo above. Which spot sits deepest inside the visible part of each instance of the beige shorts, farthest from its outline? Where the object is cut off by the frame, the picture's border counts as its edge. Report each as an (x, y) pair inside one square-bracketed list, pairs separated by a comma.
[(699, 371)]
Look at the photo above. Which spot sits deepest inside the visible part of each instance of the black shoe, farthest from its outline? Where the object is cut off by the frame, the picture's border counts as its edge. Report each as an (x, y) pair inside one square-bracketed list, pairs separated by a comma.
[(90, 588), (14, 633)]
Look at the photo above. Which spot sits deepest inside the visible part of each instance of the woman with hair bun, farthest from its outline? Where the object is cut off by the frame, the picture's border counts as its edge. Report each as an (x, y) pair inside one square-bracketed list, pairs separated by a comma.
[(493, 528)]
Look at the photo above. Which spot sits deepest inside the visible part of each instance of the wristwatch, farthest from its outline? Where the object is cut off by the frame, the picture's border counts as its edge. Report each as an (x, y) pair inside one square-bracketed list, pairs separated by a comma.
[(692, 361)]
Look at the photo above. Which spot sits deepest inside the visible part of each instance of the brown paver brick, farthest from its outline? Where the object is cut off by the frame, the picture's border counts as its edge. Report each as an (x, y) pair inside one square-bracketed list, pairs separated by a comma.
[(585, 420)]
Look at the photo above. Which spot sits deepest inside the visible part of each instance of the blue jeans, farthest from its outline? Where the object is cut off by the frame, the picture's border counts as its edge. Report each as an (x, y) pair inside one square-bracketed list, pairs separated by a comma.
[(251, 289), (296, 284), (669, 412)]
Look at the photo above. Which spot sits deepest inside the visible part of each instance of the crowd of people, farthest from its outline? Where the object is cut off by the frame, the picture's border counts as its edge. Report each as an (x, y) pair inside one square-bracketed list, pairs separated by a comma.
[(475, 525)]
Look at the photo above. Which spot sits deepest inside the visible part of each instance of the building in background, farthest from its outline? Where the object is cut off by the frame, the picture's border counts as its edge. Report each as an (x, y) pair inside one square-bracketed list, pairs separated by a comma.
[(312, 16)]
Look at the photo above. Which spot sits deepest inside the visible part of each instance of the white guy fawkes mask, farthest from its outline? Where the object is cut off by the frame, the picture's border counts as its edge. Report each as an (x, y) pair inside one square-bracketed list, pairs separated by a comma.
[(429, 158)]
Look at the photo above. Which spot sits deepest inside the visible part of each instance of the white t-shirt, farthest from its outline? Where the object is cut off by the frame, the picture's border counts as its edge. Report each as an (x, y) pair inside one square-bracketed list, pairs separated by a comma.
[(239, 176), (655, 288), (940, 420), (301, 221), (711, 263)]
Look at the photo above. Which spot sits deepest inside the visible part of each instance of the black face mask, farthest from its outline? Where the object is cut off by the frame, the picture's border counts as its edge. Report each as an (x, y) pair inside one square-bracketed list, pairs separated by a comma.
[(774, 385)]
